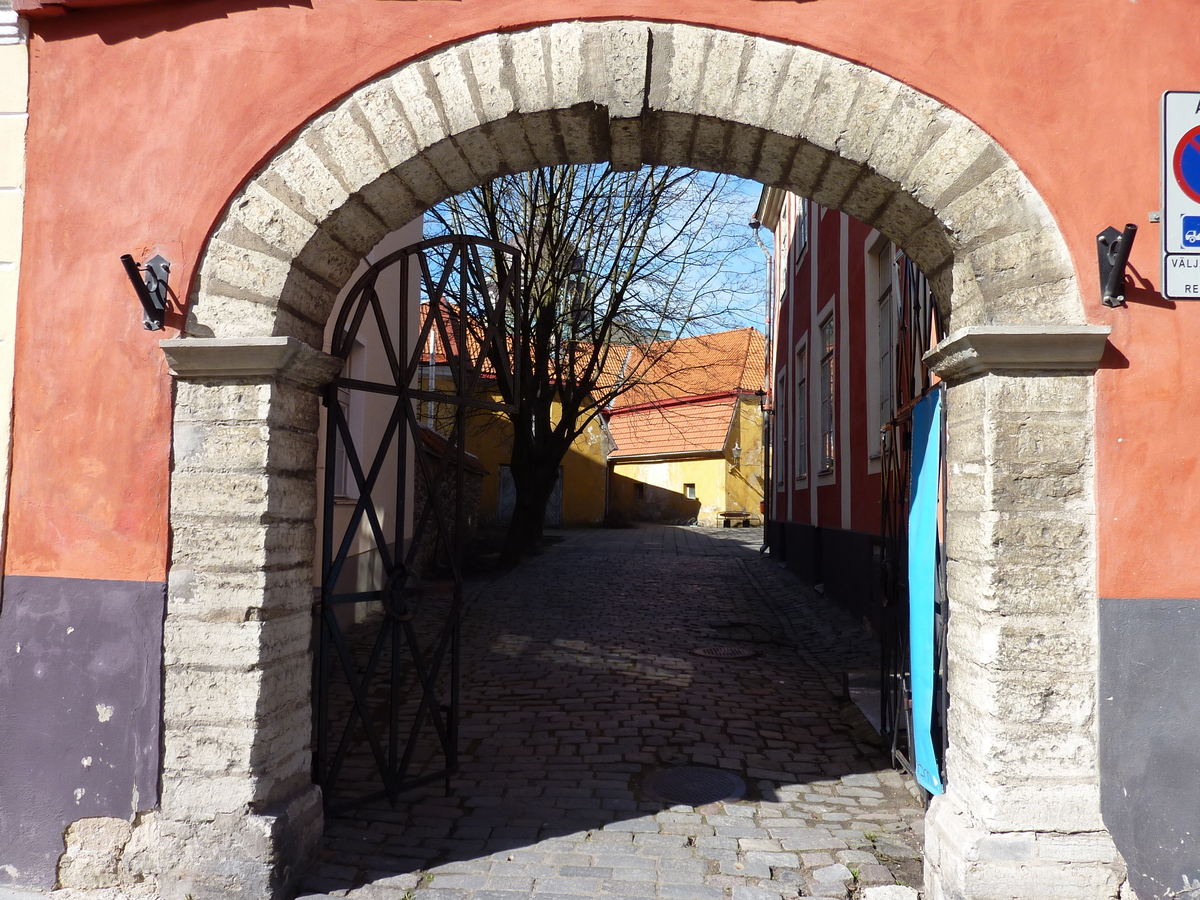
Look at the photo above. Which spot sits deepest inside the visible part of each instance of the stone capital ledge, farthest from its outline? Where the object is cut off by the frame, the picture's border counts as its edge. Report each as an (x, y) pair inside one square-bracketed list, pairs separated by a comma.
[(250, 360), (979, 349)]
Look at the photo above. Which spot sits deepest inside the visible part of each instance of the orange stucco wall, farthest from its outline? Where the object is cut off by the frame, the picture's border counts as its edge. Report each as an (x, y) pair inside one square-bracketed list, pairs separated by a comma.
[(145, 120)]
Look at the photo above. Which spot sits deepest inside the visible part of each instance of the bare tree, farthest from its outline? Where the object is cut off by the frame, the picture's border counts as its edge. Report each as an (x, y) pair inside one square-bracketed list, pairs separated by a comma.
[(617, 265)]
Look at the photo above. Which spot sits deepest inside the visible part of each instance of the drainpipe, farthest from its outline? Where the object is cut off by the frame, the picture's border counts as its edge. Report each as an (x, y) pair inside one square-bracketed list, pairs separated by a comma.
[(768, 407)]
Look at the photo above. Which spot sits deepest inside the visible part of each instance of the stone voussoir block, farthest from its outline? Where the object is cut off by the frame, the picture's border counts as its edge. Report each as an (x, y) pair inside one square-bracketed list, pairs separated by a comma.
[(418, 101), (765, 66), (392, 202), (722, 74), (797, 92), (567, 63), (338, 245), (989, 207), (485, 58), (913, 123), (869, 195), (347, 146), (876, 95), (836, 181), (961, 153), (385, 121), (834, 103), (902, 216), (774, 158), (270, 220), (309, 183), (525, 66), (453, 81), (481, 154), (253, 274), (617, 56), (677, 67)]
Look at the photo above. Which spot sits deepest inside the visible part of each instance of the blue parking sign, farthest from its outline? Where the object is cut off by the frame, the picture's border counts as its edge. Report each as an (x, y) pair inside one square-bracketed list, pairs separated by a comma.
[(1191, 231)]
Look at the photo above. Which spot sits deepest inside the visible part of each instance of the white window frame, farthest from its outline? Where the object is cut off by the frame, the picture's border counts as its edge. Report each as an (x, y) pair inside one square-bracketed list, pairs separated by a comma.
[(799, 409), (827, 468), (780, 437)]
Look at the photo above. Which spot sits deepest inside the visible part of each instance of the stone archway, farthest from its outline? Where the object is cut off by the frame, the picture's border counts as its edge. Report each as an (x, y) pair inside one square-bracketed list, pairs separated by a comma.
[(1023, 809)]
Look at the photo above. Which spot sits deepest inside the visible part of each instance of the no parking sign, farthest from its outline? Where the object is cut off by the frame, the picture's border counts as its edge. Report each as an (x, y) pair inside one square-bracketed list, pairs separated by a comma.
[(1181, 195)]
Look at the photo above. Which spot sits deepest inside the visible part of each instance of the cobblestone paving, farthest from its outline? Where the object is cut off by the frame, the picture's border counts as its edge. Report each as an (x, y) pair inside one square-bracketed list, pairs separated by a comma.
[(578, 683)]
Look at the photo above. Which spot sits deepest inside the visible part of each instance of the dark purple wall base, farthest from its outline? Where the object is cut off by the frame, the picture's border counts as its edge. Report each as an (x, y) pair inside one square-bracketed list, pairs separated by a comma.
[(1150, 741), (80, 712)]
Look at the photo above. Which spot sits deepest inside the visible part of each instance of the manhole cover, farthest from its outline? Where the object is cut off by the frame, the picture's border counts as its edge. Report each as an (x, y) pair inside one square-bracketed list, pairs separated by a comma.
[(693, 785), (725, 652)]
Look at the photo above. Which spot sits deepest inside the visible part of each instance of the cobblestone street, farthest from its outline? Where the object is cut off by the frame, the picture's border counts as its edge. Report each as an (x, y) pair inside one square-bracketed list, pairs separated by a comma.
[(579, 682)]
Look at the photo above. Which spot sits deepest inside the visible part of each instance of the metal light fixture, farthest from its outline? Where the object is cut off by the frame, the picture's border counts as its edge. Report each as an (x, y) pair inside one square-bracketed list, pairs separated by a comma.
[(150, 283), (1112, 248), (737, 452)]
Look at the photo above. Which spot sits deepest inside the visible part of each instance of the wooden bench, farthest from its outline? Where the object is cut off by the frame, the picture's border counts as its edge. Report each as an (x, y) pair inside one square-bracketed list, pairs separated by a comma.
[(734, 518)]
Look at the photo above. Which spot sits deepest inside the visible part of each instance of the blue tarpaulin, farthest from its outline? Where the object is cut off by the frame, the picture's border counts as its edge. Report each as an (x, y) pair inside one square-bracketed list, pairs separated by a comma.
[(922, 579)]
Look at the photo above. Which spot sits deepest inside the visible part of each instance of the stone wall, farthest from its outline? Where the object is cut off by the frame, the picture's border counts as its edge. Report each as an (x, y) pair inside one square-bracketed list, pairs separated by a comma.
[(1021, 818)]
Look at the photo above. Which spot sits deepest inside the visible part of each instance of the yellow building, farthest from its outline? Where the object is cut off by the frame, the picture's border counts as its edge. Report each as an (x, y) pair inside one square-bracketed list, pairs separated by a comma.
[(682, 444), (579, 498), (688, 437)]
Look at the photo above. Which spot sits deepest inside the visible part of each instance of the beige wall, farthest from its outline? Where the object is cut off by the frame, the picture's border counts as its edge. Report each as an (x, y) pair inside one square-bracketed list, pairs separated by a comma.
[(664, 497), (744, 481), (14, 84), (723, 484), (370, 413), (489, 437)]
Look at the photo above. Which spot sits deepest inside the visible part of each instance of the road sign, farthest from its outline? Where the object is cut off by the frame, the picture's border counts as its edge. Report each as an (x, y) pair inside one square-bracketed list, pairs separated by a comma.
[(1181, 195)]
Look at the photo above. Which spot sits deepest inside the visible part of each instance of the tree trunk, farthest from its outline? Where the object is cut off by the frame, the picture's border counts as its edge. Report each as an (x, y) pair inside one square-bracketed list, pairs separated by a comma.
[(533, 483)]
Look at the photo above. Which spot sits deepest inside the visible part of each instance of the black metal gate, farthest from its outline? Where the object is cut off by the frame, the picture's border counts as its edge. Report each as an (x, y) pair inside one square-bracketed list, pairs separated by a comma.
[(920, 327), (423, 332)]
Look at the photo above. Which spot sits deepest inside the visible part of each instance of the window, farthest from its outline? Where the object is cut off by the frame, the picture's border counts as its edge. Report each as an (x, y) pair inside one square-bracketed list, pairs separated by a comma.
[(639, 491), (801, 415), (689, 491), (800, 235), (827, 345)]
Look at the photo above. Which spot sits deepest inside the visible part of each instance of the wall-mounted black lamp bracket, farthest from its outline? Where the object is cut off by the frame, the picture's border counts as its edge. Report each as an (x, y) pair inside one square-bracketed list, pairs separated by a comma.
[(1112, 248), (150, 283)]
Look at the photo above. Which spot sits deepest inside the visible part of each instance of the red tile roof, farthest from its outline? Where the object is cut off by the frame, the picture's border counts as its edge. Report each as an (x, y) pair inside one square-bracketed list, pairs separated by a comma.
[(699, 426), (685, 393), (695, 366)]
